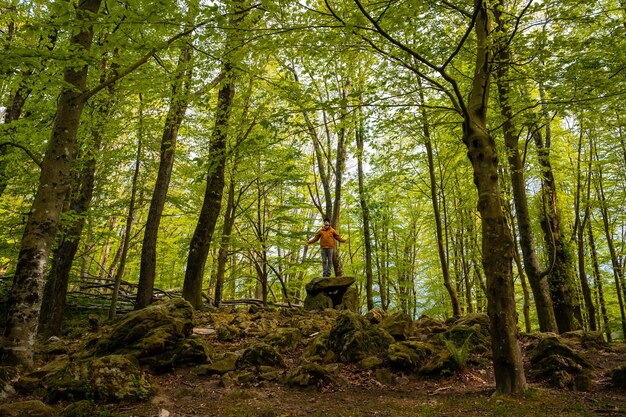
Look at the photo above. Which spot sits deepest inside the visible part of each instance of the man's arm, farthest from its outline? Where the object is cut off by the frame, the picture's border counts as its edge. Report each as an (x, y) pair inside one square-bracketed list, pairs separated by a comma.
[(315, 238), (339, 238)]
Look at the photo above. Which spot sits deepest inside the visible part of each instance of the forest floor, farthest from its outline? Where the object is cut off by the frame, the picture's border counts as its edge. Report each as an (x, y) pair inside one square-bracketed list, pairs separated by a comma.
[(468, 394), (358, 392)]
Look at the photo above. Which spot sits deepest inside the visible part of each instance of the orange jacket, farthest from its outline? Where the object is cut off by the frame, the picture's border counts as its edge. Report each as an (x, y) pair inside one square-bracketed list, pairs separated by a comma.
[(327, 237)]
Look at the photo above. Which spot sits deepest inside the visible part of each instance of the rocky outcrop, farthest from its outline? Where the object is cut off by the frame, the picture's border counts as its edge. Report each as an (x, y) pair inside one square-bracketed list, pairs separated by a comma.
[(557, 362), (326, 292), (352, 338), (111, 378), (32, 408)]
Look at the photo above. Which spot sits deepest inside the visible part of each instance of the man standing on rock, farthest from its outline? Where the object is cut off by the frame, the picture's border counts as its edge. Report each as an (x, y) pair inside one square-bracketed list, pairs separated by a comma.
[(327, 236)]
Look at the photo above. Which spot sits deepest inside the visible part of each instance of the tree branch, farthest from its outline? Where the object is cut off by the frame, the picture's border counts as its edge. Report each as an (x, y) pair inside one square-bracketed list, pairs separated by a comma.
[(25, 149)]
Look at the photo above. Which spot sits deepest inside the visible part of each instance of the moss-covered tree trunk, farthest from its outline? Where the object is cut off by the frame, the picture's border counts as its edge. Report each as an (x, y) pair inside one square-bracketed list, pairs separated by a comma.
[(54, 182), (561, 276), (536, 277), (497, 243), (54, 300)]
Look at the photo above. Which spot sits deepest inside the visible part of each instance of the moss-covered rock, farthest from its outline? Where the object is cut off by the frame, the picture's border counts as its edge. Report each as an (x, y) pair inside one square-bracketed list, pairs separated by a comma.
[(409, 354), (375, 315), (427, 326), (318, 350), (8, 375), (349, 300), (352, 338), (459, 333), (226, 364), (227, 333), (398, 324), (557, 362), (441, 362), (189, 351), (588, 340), (473, 319), (32, 408), (284, 338), (371, 362), (618, 377), (319, 301), (28, 385), (259, 354), (311, 374), (146, 333), (111, 378), (83, 408)]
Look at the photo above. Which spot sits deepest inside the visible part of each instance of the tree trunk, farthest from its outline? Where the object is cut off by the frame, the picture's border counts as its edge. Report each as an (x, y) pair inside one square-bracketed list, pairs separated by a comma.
[(54, 182), (229, 222), (536, 277), (201, 240), (579, 229), (54, 300), (443, 259), (618, 273), (173, 121), (365, 212), (598, 282), (497, 245), (130, 220)]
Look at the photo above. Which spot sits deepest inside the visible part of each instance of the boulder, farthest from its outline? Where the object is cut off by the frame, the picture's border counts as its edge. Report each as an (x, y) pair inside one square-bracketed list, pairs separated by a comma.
[(319, 301), (439, 363), (227, 333), (189, 351), (326, 292), (112, 378), (83, 408), (409, 355), (375, 315), (472, 319), (459, 333), (220, 367), (588, 340), (618, 377), (284, 338), (32, 408), (146, 333), (429, 326), (318, 350), (311, 374), (352, 338), (398, 325), (556, 361), (259, 354)]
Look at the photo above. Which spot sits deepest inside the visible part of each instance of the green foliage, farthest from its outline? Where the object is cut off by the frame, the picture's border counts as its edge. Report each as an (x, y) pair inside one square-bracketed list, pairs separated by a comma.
[(460, 355)]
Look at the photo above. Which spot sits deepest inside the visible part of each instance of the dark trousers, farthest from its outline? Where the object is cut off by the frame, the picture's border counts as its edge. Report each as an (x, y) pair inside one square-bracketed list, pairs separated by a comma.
[(327, 260)]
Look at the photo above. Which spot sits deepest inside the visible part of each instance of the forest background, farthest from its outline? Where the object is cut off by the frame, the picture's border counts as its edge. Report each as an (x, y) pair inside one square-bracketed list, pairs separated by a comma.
[(196, 145)]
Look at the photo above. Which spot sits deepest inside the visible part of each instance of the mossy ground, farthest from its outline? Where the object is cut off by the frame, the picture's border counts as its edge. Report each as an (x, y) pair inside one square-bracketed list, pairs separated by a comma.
[(183, 392)]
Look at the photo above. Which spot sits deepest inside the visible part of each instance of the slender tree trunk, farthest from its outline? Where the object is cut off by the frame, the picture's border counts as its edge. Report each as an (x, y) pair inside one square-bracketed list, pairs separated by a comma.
[(54, 300), (443, 259), (561, 276), (367, 240), (536, 277), (617, 269), (201, 240), (54, 182), (229, 222), (130, 220), (598, 282), (173, 121), (579, 229)]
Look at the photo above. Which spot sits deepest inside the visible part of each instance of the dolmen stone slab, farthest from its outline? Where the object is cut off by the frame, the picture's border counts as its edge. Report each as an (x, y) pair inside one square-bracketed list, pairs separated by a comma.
[(327, 292)]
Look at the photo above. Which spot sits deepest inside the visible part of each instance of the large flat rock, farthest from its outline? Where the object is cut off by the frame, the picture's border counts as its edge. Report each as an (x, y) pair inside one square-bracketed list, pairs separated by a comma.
[(328, 284)]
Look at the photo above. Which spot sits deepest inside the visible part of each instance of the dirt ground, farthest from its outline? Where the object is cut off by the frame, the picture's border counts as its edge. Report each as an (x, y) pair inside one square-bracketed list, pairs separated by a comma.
[(470, 393)]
